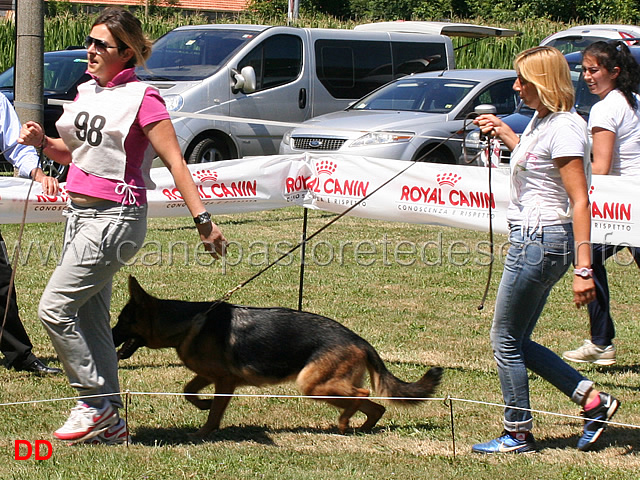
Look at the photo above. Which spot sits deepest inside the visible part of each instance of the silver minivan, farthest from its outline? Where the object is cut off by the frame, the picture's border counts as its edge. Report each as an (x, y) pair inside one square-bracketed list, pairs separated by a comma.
[(229, 86)]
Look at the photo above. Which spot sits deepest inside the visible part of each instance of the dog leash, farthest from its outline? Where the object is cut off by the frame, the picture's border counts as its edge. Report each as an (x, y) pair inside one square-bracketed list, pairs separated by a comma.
[(480, 110), (16, 259), (230, 292), (491, 246)]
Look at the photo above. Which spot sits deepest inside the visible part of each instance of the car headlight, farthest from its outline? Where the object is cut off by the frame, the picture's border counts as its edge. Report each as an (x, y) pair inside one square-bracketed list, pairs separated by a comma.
[(473, 136), (379, 138), (174, 102), (286, 138)]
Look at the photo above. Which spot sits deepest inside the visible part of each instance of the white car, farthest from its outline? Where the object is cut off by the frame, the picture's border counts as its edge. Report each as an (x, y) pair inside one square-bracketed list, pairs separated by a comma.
[(420, 117), (580, 37)]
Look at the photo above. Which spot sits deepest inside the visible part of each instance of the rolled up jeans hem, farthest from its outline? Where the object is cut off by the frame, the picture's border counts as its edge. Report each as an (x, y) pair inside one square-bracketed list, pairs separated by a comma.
[(525, 426), (581, 391)]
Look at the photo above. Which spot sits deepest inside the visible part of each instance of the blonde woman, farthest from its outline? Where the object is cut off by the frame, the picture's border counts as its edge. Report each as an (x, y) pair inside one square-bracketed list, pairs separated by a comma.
[(549, 223)]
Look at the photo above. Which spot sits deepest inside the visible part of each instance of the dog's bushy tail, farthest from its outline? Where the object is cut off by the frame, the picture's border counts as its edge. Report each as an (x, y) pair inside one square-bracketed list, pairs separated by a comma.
[(385, 384)]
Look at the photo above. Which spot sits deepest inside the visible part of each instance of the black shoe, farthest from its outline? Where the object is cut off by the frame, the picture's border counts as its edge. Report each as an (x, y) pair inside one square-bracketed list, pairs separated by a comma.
[(38, 367)]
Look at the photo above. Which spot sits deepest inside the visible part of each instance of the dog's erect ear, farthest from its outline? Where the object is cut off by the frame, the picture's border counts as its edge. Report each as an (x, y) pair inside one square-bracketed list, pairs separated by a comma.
[(136, 292)]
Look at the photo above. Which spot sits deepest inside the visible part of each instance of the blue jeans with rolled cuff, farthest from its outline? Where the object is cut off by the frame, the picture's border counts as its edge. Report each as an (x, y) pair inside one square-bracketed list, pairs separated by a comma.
[(537, 258)]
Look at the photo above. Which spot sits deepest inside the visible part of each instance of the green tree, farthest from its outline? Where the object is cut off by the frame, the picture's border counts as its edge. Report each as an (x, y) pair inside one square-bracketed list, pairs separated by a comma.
[(571, 11)]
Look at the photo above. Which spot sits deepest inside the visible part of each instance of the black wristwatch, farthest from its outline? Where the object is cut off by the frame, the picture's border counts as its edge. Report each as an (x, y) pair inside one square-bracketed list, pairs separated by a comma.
[(203, 218)]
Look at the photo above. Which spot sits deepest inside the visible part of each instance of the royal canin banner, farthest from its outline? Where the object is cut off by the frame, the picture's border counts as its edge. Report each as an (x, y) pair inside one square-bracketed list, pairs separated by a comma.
[(436, 194)]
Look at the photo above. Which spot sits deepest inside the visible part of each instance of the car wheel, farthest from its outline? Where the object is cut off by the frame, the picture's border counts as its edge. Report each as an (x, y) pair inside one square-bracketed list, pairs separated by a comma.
[(208, 150), (437, 156), (55, 170)]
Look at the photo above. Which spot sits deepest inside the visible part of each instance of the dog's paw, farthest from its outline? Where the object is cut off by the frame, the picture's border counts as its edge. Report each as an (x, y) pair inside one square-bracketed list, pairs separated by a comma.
[(195, 437)]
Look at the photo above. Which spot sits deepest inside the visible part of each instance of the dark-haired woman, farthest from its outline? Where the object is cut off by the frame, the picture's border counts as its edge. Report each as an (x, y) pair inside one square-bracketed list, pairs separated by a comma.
[(612, 73), (105, 135)]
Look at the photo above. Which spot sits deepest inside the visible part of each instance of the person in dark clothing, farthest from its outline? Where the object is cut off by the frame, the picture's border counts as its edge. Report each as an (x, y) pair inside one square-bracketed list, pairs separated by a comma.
[(15, 343)]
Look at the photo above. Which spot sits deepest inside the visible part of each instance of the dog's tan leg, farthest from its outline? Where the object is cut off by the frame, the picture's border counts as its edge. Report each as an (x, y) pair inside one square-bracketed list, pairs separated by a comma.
[(194, 386), (218, 406), (340, 374), (350, 406), (373, 411)]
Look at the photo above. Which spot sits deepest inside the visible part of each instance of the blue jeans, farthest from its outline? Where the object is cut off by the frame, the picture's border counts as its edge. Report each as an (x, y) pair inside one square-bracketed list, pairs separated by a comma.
[(602, 328), (536, 260)]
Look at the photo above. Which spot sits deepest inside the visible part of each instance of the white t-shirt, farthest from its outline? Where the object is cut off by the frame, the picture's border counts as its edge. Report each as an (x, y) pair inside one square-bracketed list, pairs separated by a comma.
[(613, 113), (538, 196)]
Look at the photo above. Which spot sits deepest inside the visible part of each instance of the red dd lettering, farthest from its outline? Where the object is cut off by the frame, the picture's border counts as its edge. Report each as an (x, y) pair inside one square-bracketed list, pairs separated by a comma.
[(17, 445), (38, 449), (43, 450)]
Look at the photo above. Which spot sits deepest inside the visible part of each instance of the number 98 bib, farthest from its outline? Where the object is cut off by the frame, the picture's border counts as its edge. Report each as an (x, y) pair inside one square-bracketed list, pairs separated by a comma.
[(96, 125)]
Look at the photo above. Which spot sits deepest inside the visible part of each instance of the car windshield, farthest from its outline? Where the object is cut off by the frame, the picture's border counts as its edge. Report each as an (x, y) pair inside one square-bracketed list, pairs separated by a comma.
[(61, 72), (429, 95), (192, 54), (574, 43), (6, 78)]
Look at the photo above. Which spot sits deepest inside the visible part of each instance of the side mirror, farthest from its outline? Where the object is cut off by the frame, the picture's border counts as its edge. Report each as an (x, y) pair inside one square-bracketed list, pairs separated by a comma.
[(244, 81)]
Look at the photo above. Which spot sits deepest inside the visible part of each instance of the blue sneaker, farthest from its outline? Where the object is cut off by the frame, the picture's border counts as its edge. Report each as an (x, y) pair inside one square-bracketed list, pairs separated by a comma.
[(509, 442), (594, 428)]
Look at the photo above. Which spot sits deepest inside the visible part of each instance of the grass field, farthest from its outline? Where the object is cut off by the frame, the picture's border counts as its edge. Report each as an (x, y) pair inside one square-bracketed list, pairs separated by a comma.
[(418, 310)]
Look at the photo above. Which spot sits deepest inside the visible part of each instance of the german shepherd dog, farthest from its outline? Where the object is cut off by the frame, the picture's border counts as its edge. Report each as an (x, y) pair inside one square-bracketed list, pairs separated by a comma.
[(231, 345)]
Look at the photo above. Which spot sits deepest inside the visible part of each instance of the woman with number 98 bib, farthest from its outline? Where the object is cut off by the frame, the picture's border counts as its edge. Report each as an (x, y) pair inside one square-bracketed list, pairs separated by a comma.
[(105, 135)]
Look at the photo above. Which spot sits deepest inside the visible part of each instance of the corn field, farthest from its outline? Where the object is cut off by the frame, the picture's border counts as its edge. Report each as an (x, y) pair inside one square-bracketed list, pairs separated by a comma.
[(67, 30)]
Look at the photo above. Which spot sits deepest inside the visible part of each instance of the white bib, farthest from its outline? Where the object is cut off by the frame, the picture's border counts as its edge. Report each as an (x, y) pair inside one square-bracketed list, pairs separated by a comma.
[(96, 125)]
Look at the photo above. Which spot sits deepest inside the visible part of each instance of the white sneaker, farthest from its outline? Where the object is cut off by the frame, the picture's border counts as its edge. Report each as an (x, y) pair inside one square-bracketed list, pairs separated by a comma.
[(591, 353), (86, 422), (114, 435)]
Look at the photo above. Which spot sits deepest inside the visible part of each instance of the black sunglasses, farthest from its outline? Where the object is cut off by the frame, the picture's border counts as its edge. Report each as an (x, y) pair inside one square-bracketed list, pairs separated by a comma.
[(100, 45)]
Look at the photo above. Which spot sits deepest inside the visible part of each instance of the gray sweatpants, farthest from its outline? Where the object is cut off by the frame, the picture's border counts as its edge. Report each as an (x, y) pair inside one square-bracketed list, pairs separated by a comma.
[(74, 307)]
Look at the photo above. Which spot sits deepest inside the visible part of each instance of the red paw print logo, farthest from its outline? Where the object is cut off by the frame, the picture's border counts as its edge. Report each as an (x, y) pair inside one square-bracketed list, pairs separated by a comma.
[(448, 179), (326, 166), (591, 189), (204, 175)]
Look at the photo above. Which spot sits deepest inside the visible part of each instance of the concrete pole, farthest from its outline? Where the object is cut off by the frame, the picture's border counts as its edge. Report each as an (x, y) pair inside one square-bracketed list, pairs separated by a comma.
[(29, 71)]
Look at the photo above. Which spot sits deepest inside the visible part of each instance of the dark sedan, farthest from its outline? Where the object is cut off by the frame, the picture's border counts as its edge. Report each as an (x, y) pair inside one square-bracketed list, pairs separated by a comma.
[(64, 70)]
